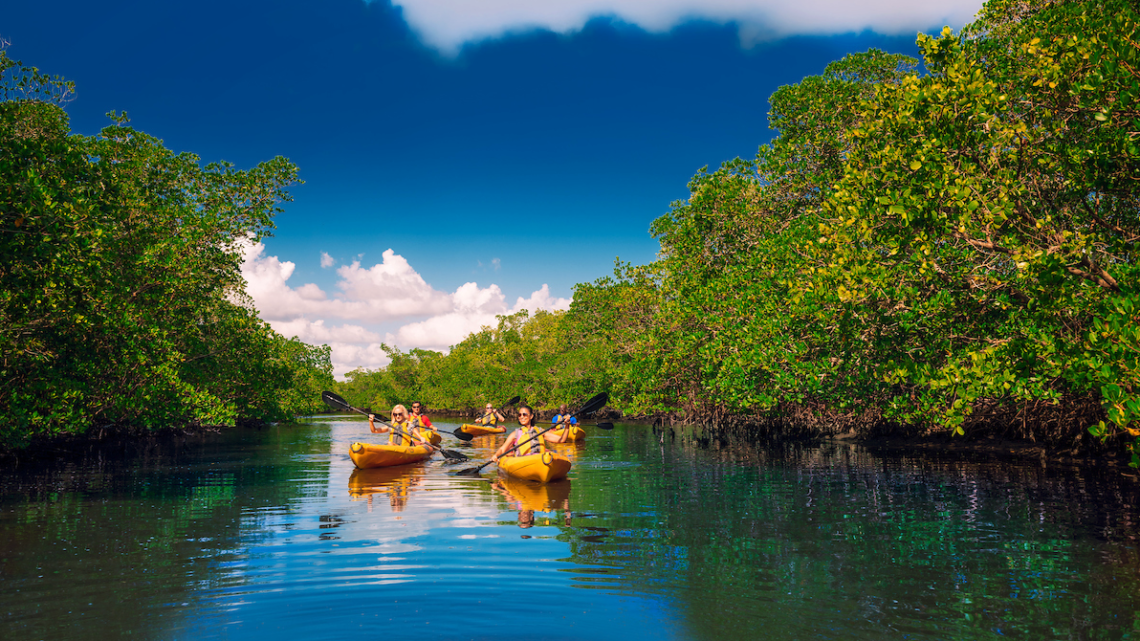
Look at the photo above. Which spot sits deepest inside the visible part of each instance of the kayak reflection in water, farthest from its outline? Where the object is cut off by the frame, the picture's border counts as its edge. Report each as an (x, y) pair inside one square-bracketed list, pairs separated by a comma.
[(400, 419), (529, 498), (562, 434), (396, 482), (526, 435)]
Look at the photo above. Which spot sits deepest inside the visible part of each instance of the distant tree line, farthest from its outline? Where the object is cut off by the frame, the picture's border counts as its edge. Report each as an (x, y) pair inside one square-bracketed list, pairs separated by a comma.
[(121, 298), (950, 250)]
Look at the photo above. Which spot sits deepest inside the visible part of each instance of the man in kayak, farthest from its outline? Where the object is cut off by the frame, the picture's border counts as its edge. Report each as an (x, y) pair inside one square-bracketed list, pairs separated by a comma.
[(526, 435), (419, 416), (491, 416), (401, 420), (419, 419), (562, 434)]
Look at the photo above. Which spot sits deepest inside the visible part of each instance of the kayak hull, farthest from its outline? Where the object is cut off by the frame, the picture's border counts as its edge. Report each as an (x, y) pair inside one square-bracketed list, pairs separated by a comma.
[(367, 456), (481, 430), (575, 434), (433, 436), (543, 468)]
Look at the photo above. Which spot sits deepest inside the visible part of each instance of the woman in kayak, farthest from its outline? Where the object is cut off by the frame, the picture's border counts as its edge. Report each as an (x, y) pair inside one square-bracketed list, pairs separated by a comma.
[(562, 434), (491, 416), (526, 435), (401, 420)]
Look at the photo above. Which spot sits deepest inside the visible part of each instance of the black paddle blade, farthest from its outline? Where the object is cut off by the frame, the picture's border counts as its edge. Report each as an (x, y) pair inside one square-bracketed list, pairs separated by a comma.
[(594, 404), (334, 401), (471, 471), (461, 435), (452, 455), (606, 426), (511, 402)]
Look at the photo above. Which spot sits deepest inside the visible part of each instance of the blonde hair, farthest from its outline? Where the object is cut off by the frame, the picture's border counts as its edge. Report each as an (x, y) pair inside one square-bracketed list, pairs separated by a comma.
[(399, 408)]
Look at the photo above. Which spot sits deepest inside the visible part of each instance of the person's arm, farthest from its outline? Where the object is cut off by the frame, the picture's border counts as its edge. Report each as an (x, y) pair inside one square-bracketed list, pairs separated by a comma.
[(381, 429), (506, 446), (500, 416), (426, 422)]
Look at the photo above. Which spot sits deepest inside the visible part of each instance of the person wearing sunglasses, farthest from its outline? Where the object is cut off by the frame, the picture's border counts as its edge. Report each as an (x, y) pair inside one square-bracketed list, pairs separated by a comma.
[(491, 416), (402, 420), (526, 434), (419, 416)]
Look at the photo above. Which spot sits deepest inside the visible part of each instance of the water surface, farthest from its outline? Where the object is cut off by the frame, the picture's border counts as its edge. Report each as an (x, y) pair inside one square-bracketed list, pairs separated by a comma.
[(274, 534)]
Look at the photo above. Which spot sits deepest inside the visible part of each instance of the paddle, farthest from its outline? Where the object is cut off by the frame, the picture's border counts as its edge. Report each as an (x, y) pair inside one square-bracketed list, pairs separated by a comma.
[(336, 402), (500, 409), (594, 404), (464, 436)]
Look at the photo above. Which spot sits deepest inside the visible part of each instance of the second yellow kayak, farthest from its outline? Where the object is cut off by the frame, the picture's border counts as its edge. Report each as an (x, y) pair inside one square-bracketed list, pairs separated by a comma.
[(555, 435), (481, 430)]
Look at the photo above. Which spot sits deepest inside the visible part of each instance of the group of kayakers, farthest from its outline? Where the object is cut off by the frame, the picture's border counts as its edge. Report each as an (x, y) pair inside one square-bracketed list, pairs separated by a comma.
[(407, 428), (414, 426)]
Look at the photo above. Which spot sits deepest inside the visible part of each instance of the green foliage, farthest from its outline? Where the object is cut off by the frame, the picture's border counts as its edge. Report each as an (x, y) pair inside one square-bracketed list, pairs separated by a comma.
[(943, 250), (537, 357), (122, 298)]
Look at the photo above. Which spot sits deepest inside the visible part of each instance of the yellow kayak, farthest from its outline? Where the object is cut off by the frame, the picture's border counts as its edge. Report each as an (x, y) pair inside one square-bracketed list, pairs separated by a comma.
[(433, 436), (545, 467), (481, 430), (556, 435), (367, 455)]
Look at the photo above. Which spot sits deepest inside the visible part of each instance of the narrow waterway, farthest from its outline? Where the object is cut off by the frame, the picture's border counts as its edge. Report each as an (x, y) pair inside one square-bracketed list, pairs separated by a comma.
[(274, 534)]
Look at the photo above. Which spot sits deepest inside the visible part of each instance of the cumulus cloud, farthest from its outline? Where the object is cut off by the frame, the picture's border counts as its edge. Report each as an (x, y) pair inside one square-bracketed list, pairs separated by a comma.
[(474, 309), (447, 24), (389, 292), (326, 260)]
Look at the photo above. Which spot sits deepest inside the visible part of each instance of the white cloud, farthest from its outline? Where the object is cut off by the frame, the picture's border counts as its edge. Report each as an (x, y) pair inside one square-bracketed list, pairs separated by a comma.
[(447, 24), (391, 292), (474, 309), (326, 260), (496, 264)]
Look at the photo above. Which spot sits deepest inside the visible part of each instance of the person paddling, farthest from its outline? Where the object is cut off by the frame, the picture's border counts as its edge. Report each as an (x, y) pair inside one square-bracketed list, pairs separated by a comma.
[(491, 416), (562, 434), (419, 417), (401, 420), (526, 434)]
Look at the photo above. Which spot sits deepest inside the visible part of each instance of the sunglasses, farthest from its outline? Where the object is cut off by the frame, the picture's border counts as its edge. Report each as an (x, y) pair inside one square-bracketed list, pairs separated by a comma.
[(524, 414), (398, 414)]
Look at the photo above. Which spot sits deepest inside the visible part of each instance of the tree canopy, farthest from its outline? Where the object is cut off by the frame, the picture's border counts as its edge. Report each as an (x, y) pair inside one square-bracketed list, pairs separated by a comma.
[(949, 249), (122, 300)]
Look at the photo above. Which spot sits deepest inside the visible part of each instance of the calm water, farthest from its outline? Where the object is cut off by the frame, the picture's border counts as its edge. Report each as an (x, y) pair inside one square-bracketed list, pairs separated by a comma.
[(273, 534)]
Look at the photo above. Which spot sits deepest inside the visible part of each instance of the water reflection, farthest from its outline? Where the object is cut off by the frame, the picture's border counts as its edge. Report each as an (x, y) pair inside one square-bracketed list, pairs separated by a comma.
[(529, 497), (396, 482), (253, 534)]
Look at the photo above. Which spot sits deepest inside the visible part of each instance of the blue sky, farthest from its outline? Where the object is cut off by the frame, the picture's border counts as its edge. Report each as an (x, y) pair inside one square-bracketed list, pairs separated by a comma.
[(458, 157)]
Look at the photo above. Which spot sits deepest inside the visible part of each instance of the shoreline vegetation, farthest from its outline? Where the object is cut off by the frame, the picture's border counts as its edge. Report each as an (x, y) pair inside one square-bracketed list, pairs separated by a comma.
[(927, 249), (122, 306), (915, 254)]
